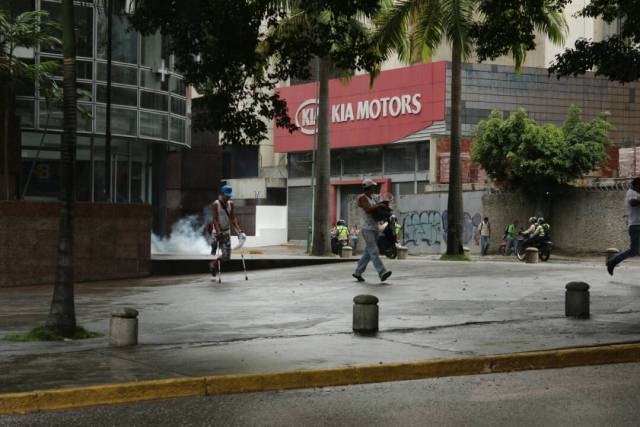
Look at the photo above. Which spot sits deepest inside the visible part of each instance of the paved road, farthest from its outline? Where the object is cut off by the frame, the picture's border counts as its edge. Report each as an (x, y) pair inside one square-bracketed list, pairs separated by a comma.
[(300, 318), (588, 396)]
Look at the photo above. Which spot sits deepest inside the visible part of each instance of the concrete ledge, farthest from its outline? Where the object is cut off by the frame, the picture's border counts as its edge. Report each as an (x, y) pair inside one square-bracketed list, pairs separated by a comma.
[(168, 266), (226, 384)]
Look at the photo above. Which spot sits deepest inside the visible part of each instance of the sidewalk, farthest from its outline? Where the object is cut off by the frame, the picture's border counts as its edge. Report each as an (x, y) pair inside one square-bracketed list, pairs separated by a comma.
[(300, 318)]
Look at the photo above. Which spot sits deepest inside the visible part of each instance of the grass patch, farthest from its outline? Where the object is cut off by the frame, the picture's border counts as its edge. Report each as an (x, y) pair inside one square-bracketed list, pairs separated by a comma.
[(42, 333), (446, 257)]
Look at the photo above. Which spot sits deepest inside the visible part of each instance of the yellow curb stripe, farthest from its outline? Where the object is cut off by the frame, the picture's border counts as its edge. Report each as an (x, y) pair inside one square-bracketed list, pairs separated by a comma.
[(63, 398)]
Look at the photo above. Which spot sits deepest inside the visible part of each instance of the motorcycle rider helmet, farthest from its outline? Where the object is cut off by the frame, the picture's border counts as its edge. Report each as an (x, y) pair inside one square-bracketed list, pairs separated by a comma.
[(341, 222), (393, 218), (533, 220), (540, 220)]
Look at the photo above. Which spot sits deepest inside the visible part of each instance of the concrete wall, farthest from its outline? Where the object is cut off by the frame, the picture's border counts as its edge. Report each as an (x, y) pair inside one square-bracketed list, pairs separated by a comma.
[(271, 227), (424, 220), (582, 220), (112, 241)]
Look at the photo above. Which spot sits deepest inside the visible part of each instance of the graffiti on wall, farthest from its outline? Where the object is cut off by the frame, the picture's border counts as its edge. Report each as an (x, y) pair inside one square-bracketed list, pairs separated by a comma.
[(421, 228), (429, 227)]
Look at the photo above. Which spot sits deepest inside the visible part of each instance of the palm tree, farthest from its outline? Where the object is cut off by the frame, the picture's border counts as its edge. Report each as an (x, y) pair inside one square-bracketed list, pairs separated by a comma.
[(313, 22), (414, 29), (28, 30), (62, 317)]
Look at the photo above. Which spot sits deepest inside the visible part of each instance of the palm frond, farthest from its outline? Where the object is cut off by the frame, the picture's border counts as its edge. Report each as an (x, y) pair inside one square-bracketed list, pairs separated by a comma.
[(392, 31), (457, 16)]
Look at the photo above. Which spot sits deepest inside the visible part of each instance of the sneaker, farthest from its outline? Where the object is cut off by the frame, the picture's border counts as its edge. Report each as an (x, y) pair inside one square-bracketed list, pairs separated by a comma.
[(610, 268), (358, 277), (384, 276)]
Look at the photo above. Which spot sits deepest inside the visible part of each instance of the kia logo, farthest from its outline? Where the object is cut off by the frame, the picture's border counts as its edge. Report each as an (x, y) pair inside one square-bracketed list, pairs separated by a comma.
[(306, 116)]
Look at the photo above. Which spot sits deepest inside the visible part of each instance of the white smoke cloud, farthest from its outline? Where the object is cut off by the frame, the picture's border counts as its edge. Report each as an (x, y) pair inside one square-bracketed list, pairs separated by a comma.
[(187, 237)]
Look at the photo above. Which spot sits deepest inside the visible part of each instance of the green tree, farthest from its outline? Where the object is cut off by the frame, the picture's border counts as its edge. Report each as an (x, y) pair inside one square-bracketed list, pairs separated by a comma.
[(236, 52), (334, 34), (616, 57), (488, 28), (27, 30), (62, 317), (520, 154)]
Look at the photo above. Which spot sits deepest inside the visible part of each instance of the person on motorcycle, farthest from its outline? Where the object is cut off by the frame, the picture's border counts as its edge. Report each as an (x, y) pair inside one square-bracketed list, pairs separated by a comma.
[(397, 229), (342, 234), (540, 235), (533, 225)]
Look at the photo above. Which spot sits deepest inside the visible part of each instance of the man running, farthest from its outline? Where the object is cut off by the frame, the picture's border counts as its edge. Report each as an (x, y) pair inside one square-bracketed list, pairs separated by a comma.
[(632, 200)]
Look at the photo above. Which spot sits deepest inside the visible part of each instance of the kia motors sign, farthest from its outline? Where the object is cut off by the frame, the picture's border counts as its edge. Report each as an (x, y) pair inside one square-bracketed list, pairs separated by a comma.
[(401, 102)]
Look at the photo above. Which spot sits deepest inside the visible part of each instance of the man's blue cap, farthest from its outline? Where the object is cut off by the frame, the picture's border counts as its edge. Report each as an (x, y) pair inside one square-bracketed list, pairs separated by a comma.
[(227, 190)]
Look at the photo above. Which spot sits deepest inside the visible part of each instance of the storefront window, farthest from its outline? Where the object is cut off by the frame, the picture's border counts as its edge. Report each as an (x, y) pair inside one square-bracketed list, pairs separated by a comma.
[(423, 156), (362, 161), (399, 158), (300, 165), (336, 163), (85, 118)]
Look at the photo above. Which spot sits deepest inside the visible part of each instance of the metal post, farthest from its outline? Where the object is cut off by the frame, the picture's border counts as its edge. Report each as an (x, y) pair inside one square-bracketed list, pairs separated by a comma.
[(107, 139)]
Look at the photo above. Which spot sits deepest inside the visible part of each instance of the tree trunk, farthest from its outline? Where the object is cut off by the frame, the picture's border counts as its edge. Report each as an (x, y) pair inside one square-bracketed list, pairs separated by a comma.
[(5, 145), (454, 207), (321, 237), (62, 317)]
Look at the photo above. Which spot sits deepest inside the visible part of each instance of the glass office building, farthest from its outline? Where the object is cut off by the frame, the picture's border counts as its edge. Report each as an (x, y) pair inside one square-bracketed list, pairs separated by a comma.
[(149, 112)]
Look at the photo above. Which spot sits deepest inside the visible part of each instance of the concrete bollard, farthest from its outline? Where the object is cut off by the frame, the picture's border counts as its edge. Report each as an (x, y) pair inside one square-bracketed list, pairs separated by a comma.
[(345, 252), (123, 327), (531, 255), (365, 314), (576, 300), (610, 253), (402, 252)]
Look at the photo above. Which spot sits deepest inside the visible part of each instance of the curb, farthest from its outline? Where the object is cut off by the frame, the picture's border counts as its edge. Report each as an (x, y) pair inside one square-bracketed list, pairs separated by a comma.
[(65, 398)]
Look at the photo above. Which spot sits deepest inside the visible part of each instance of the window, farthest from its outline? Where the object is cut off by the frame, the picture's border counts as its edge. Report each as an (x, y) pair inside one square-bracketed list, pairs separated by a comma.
[(84, 27), (119, 95), (119, 74), (124, 42), (177, 86), (177, 129), (405, 188), (178, 106), (153, 125), (50, 116), (400, 158), (336, 163), (24, 109), (362, 161), (152, 80), (423, 156), (85, 119), (123, 121), (154, 101), (300, 165)]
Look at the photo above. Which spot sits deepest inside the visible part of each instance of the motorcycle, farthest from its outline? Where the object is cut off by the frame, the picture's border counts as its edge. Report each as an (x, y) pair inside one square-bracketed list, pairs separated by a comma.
[(387, 238), (544, 249)]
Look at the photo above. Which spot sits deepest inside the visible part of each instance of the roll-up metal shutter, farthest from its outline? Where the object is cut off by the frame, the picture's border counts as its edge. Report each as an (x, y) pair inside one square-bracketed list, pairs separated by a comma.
[(299, 209)]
